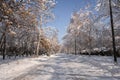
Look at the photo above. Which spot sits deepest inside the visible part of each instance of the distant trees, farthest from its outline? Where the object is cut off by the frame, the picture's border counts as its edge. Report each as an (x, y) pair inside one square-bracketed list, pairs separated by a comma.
[(52, 36), (19, 25), (91, 29)]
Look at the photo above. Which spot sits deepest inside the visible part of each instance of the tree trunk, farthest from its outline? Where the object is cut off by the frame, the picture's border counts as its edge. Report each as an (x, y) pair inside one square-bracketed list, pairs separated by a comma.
[(112, 30), (4, 45), (37, 51)]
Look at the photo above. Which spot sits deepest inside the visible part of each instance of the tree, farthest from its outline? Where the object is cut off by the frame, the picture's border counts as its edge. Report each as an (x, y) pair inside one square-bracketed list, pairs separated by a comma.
[(110, 8), (20, 21)]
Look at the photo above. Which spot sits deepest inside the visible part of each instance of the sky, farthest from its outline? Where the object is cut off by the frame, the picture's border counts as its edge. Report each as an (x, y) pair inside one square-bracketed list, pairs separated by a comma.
[(63, 11)]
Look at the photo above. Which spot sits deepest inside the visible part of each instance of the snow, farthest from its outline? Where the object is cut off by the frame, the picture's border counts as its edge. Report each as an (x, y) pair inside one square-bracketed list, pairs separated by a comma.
[(61, 67)]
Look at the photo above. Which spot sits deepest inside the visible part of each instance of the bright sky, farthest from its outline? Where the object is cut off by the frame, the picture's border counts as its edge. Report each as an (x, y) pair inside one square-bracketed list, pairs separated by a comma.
[(63, 11)]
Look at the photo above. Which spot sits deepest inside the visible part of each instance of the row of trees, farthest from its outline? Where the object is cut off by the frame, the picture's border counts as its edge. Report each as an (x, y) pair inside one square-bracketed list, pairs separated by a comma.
[(21, 28), (89, 30)]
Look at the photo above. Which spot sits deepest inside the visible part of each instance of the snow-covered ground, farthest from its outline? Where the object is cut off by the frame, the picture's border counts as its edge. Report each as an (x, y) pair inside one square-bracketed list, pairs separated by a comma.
[(60, 67)]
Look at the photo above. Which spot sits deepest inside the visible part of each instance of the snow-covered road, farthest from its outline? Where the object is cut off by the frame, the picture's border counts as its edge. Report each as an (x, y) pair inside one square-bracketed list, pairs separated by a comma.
[(61, 67)]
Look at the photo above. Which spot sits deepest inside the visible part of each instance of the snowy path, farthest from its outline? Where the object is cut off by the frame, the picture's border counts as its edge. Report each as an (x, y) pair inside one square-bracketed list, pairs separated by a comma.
[(61, 67)]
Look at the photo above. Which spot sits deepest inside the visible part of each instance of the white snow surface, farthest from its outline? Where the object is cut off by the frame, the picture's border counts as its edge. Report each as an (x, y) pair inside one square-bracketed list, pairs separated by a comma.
[(60, 67)]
